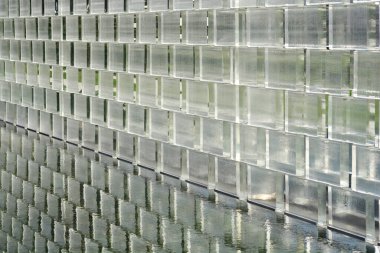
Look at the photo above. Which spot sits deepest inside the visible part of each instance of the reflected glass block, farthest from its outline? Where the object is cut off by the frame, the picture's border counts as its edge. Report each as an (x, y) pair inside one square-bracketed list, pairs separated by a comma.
[(227, 178), (303, 198), (285, 69), (353, 26), (262, 186)]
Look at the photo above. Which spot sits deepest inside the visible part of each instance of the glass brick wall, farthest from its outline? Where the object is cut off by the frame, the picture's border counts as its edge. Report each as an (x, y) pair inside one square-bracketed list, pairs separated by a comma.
[(275, 101)]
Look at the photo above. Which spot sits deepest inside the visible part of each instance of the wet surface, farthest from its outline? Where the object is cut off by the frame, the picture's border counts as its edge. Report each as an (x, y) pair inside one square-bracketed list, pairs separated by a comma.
[(58, 197)]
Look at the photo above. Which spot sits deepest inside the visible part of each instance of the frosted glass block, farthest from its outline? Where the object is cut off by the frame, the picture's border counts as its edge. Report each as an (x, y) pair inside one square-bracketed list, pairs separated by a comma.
[(306, 114), (283, 2), (88, 82), (116, 6), (64, 7), (106, 143), (36, 7), (72, 80), (252, 146), (171, 94), (136, 58), (158, 5), (51, 52), (198, 97), (21, 72), (170, 29), (8, 29), (88, 28), (262, 186), (31, 77), (125, 87), (353, 26), (4, 49), (80, 54), (227, 102), (31, 28), (116, 57), (182, 4), (136, 5), (348, 211), (171, 160), (315, 2), (4, 8), (125, 146), (184, 62), (15, 50), (286, 152), (352, 120), (38, 51), (80, 7), (303, 198), (195, 27), (125, 27), (216, 64), (97, 6), (25, 8), (226, 27), (312, 21), (10, 71), (106, 84), (81, 104), (209, 4), (366, 74), (136, 119), (266, 108), (43, 29), (147, 23), (106, 25), (328, 71), (367, 176), (285, 69), (52, 101), (159, 60), (72, 134), (158, 124), (265, 27), (98, 109), (19, 28), (184, 130), (72, 28), (227, 176), (199, 165), (147, 90), (65, 53), (14, 9), (250, 66), (329, 161), (147, 153), (98, 51)]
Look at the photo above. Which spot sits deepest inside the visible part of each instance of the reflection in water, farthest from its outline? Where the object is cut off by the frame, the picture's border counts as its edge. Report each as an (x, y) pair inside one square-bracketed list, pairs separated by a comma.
[(57, 197)]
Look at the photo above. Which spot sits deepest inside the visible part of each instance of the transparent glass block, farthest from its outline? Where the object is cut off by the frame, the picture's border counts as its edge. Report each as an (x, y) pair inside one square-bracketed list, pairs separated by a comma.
[(286, 152), (227, 176), (352, 120), (199, 165), (50, 8), (213, 4), (97, 111), (36, 7), (250, 66), (57, 78), (348, 211), (184, 64), (198, 97), (80, 7), (80, 54), (147, 24), (184, 130), (227, 102), (171, 94), (367, 176), (170, 29), (262, 186), (116, 57), (64, 7), (72, 77), (136, 5), (147, 91), (24, 8), (15, 50), (88, 28), (8, 29), (366, 74), (52, 101), (216, 64), (171, 159), (31, 74), (306, 114), (4, 49), (136, 58), (182, 4), (125, 148), (65, 106), (265, 27), (158, 5), (125, 87), (312, 21), (283, 2), (117, 6), (285, 69), (98, 51), (31, 28), (252, 146), (81, 109), (65, 53), (195, 27), (38, 51), (88, 82), (21, 72), (19, 28), (212, 136), (106, 28), (136, 119), (158, 124), (106, 147), (51, 52), (226, 27), (115, 115), (266, 108), (159, 60), (10, 71), (303, 198), (353, 26), (106, 84), (329, 161), (72, 28), (147, 153), (328, 71), (125, 27), (97, 6)]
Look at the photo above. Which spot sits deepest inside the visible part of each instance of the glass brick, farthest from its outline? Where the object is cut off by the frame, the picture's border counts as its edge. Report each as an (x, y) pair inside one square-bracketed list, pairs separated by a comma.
[(106, 84), (171, 94), (80, 7), (116, 57), (226, 25), (250, 66), (106, 25), (252, 146), (136, 5), (184, 130), (227, 176), (88, 28), (198, 96), (98, 110), (98, 60), (115, 115), (227, 102), (184, 61), (262, 186), (80, 54), (147, 90), (147, 24), (125, 87), (159, 60), (366, 74), (199, 166), (303, 198), (116, 6), (182, 4), (125, 28), (136, 119), (216, 64), (158, 124), (195, 30), (136, 58), (72, 28), (170, 29), (97, 6)]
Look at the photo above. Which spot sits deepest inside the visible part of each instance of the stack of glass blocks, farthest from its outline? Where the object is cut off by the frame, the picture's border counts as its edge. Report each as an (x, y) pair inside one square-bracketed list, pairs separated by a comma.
[(275, 102)]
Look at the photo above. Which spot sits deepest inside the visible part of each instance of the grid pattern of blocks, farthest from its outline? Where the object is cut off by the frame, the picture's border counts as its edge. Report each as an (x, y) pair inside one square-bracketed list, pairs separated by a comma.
[(274, 101)]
